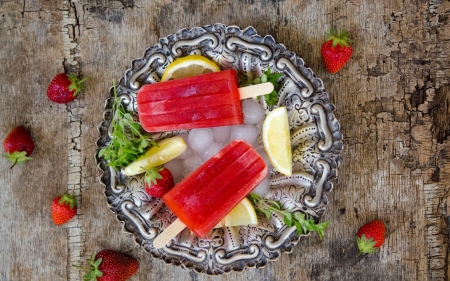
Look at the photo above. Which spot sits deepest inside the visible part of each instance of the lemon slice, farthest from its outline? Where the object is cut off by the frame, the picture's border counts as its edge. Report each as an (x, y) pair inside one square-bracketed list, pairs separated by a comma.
[(189, 66), (243, 214), (276, 140), (166, 150)]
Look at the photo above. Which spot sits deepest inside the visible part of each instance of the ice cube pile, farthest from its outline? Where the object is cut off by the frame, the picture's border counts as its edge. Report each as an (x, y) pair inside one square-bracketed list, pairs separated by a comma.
[(203, 143)]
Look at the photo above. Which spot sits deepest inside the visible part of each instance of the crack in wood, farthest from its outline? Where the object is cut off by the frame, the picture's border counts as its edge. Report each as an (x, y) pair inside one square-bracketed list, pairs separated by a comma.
[(428, 100), (419, 96), (70, 32), (127, 3), (440, 113), (72, 64), (74, 186)]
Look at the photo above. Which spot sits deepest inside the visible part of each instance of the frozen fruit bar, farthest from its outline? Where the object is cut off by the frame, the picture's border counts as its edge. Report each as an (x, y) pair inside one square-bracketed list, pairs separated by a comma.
[(207, 195), (207, 100), (194, 102)]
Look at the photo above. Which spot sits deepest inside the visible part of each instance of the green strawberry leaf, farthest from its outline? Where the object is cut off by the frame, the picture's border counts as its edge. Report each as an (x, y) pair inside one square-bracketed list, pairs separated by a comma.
[(68, 200), (18, 157), (365, 245), (152, 175), (76, 84), (340, 38)]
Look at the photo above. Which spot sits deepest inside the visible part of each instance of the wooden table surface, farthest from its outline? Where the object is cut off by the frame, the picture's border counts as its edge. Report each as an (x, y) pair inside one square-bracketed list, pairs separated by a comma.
[(392, 100)]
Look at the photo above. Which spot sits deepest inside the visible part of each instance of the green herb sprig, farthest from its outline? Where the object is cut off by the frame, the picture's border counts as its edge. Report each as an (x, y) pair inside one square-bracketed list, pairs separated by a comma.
[(297, 219), (152, 175), (267, 76), (127, 142)]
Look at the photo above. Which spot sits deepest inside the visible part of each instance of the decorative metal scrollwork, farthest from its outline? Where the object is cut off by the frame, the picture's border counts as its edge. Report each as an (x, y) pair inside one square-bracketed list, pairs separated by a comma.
[(316, 146)]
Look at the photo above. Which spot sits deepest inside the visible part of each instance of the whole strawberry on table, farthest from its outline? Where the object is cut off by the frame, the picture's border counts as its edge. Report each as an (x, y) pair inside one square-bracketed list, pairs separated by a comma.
[(18, 145), (110, 265), (336, 51), (64, 208), (64, 88), (370, 237)]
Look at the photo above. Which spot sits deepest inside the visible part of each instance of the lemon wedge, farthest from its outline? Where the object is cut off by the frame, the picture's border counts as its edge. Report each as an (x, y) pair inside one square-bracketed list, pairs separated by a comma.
[(166, 150), (189, 66), (242, 214), (276, 140)]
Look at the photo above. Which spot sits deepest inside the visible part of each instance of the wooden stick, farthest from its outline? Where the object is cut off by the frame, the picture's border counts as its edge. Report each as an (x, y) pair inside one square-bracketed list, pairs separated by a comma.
[(255, 90), (163, 238)]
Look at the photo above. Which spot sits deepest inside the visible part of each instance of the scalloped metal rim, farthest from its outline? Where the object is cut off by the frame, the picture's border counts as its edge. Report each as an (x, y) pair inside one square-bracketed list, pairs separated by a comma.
[(251, 38)]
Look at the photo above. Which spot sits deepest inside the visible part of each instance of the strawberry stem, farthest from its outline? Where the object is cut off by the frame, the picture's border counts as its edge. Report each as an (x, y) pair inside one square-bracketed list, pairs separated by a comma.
[(93, 271), (152, 175), (76, 84), (17, 157), (14, 164), (340, 38), (67, 199), (365, 245)]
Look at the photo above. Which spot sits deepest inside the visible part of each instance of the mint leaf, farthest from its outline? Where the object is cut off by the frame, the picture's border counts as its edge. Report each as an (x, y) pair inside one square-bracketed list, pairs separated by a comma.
[(288, 219), (299, 227), (128, 141), (263, 78), (267, 76), (291, 218)]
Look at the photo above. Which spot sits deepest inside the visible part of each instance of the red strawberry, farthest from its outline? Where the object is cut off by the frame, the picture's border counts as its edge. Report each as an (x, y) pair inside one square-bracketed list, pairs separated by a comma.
[(18, 145), (158, 181), (64, 88), (110, 265), (63, 209), (370, 236), (336, 51)]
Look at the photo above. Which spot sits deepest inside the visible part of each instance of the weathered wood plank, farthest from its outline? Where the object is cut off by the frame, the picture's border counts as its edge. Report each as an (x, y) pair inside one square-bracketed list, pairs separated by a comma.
[(391, 100), (31, 52)]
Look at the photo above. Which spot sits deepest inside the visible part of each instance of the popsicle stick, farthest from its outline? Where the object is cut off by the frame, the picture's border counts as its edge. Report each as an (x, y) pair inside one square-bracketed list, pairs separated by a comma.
[(170, 232), (255, 90)]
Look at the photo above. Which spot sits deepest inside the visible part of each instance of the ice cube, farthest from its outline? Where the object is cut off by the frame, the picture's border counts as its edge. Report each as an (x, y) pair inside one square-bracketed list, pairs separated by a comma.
[(253, 112), (189, 151), (211, 151), (186, 173), (192, 163), (222, 134), (245, 132), (263, 188), (264, 156), (200, 139)]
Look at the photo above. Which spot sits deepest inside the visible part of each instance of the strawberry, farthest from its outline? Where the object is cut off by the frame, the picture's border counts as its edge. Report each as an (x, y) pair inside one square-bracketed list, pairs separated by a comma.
[(63, 208), (64, 88), (336, 50), (158, 181), (18, 145), (370, 236), (110, 265)]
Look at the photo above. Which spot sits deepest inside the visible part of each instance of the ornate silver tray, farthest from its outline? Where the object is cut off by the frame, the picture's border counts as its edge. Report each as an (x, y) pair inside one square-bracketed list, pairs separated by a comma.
[(316, 139)]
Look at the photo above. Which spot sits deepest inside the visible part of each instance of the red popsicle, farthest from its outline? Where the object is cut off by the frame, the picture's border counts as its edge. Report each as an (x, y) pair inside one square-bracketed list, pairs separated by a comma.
[(201, 101), (207, 195)]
